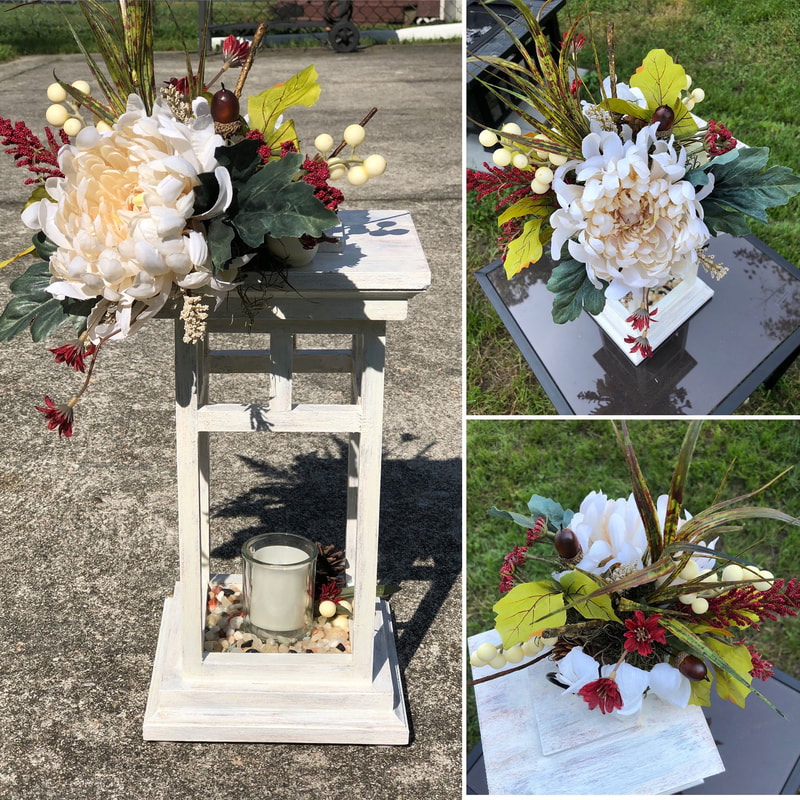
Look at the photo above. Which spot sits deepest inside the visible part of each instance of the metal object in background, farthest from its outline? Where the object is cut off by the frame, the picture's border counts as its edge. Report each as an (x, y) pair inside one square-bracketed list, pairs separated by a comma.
[(341, 18)]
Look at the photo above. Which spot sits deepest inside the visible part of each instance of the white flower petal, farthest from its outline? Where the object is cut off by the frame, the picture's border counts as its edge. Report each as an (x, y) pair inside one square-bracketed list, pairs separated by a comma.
[(670, 685)]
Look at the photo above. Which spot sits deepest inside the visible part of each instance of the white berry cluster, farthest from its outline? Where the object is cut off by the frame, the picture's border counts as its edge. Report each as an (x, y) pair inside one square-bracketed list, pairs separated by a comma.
[(358, 170), (521, 156), (65, 110), (489, 655), (760, 578)]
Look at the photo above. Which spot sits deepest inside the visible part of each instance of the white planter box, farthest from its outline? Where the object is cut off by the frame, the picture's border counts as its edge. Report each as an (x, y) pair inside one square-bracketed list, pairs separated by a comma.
[(673, 311), (538, 741)]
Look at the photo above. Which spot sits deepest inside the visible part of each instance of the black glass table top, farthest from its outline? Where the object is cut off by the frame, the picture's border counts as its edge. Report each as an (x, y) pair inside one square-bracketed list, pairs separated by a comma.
[(749, 330)]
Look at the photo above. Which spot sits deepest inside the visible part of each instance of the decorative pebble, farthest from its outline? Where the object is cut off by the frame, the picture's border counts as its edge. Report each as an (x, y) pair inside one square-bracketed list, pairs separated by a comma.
[(224, 609)]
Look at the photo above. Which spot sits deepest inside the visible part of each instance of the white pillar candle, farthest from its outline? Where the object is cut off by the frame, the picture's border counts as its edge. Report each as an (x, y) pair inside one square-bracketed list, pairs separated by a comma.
[(279, 583), (280, 588)]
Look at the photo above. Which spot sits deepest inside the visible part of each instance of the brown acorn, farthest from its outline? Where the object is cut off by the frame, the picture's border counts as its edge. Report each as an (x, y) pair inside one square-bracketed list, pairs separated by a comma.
[(567, 544), (665, 117), (692, 667), (225, 106)]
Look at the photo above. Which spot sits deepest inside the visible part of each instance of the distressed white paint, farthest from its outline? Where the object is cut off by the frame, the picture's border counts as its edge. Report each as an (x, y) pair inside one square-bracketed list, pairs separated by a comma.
[(267, 697), (673, 311), (538, 741)]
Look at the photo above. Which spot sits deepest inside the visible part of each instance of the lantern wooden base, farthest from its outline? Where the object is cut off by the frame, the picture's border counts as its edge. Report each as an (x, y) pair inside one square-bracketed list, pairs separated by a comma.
[(320, 709)]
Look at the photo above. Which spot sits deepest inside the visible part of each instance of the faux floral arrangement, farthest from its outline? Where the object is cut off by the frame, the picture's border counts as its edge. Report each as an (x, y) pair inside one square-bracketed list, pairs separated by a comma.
[(640, 601), (154, 197), (630, 181)]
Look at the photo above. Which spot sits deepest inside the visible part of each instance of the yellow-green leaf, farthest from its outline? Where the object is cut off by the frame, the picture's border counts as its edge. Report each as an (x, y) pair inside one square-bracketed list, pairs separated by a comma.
[(526, 207), (739, 660), (660, 79), (264, 109), (701, 693), (576, 583), (684, 124), (525, 249), (626, 107), (518, 613), (39, 193)]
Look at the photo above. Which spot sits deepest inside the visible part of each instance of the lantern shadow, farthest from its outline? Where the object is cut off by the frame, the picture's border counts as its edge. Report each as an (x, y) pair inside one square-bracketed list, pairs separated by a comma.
[(420, 523)]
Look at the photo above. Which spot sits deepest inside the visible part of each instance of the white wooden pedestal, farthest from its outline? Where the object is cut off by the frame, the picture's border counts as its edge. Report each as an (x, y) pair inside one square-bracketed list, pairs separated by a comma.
[(673, 311), (339, 698), (537, 740)]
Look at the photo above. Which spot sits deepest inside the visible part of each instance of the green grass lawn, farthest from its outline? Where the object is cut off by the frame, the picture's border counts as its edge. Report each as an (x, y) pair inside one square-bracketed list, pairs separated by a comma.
[(510, 460), (744, 55)]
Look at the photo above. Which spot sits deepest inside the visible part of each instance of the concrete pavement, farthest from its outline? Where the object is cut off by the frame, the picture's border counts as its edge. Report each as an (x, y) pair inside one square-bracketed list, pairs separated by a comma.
[(88, 526)]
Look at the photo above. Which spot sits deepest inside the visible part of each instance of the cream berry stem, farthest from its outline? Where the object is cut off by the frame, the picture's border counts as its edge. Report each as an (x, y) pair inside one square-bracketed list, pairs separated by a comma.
[(508, 671), (372, 112)]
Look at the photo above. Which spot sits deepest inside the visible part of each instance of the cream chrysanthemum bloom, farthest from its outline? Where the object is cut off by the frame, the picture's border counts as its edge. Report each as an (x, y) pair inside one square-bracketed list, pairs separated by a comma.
[(611, 532), (123, 218), (629, 217)]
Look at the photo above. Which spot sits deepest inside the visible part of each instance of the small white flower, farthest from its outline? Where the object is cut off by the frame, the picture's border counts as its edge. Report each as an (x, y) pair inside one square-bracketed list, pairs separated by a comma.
[(576, 669), (631, 682), (670, 685)]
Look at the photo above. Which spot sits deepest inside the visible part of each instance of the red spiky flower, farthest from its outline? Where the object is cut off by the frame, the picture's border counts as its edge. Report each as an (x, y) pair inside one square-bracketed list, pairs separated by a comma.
[(58, 416), (641, 633), (602, 693)]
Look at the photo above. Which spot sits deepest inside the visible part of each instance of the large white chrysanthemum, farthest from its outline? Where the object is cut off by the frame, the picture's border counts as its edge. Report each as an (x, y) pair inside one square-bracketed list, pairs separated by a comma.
[(122, 220), (629, 216)]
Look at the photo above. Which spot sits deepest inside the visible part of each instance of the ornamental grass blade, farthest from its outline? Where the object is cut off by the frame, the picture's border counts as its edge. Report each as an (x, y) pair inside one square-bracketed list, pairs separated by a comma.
[(696, 644), (701, 516), (704, 524), (137, 26), (189, 71), (116, 102), (675, 499), (644, 502)]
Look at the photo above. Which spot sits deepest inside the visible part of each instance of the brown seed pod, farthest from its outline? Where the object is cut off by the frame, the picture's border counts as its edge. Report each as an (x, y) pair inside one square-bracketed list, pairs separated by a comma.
[(692, 667), (224, 106), (665, 117), (567, 544)]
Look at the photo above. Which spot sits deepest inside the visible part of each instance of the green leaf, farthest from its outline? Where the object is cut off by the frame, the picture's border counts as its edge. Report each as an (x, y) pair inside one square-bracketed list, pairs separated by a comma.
[(220, 237), (581, 584), (39, 193), (33, 281), (271, 202), (240, 159), (518, 613), (44, 247), (741, 182), (520, 519), (545, 507), (33, 307), (701, 647), (525, 249), (574, 291), (539, 205), (660, 79), (723, 220)]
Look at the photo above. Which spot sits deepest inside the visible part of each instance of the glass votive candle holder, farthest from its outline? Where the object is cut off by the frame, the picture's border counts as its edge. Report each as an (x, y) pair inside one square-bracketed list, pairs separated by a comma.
[(278, 571)]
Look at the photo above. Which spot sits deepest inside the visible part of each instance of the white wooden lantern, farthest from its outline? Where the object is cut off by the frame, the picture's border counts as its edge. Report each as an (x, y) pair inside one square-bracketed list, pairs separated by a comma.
[(263, 697)]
